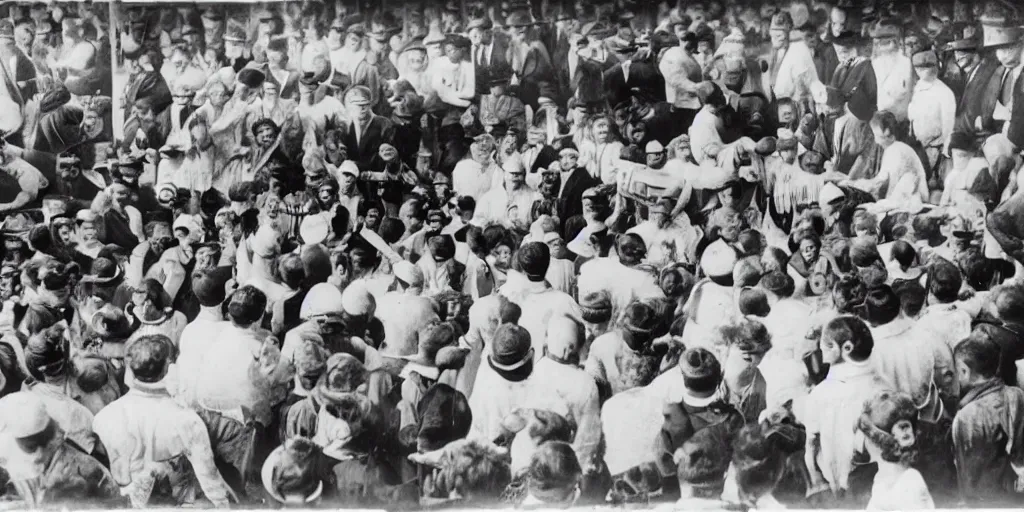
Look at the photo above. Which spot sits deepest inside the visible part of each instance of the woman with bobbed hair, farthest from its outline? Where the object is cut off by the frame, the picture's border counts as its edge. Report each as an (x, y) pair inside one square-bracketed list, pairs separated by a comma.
[(890, 429)]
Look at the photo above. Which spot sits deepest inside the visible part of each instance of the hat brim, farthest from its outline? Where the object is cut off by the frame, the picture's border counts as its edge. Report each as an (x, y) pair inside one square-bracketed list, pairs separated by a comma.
[(104, 280), (267, 479)]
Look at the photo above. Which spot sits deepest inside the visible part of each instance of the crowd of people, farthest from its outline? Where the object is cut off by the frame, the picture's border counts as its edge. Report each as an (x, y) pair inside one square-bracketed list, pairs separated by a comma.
[(709, 255)]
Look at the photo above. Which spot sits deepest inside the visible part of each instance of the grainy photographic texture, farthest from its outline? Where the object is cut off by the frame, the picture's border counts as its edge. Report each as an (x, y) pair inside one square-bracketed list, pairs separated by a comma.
[(538, 254)]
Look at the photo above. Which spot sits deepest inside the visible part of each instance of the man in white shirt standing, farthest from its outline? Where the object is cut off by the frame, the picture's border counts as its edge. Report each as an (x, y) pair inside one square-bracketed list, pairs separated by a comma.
[(791, 70), (932, 110), (894, 73)]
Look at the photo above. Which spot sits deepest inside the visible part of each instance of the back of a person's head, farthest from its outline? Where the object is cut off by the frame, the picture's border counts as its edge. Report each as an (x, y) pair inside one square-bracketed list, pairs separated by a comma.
[(747, 272), (881, 305), (391, 230), (758, 460), (979, 353), (903, 253), (944, 280), (703, 459), (247, 306), (850, 329), (976, 268), (554, 472), (148, 357), (466, 204), (753, 301), (885, 121), (912, 296), (476, 471), (1009, 303), (779, 283), (291, 270), (630, 248)]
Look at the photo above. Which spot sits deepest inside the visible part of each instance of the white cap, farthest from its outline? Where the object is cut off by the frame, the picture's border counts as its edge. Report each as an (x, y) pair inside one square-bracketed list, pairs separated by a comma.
[(314, 229), (357, 300), (829, 192), (349, 167), (23, 414), (718, 259), (265, 242), (655, 147), (322, 299), (408, 273), (188, 222)]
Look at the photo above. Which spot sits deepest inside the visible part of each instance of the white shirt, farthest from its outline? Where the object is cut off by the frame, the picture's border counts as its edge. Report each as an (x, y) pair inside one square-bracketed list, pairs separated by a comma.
[(143, 431), (470, 178), (555, 386), (196, 340), (932, 112), (895, 77), (901, 173)]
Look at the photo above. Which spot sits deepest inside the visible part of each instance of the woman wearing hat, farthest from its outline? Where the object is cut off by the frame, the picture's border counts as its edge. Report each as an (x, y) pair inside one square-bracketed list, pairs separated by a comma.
[(889, 428)]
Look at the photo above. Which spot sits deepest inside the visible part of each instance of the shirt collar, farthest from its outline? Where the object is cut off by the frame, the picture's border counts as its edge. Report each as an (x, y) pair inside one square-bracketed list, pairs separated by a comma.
[(897, 327), (849, 370), (990, 386)]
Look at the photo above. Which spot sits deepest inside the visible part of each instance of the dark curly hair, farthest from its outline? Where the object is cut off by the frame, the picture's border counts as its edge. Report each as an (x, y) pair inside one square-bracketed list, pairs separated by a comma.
[(880, 415)]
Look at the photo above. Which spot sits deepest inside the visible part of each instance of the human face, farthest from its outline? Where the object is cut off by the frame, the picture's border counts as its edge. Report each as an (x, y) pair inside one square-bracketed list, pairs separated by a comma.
[(24, 35), (502, 256), (310, 33), (179, 60), (779, 38), (964, 59), (884, 46), (882, 138), (65, 234), (476, 36), (1009, 57), (200, 136), (927, 74), (808, 250), (360, 111), (787, 114), (568, 161), (416, 59), (219, 95), (326, 195), (372, 219), (912, 45), (788, 155), (121, 194), (731, 228), (315, 178), (453, 52), (655, 160), (838, 21), (831, 352), (87, 231), (601, 129), (353, 42), (515, 178), (557, 248), (412, 224), (265, 137), (519, 33)]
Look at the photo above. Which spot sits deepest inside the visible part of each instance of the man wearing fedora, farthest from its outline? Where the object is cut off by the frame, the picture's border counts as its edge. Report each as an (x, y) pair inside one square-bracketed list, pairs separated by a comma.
[(960, 62), (530, 61), (365, 132), (790, 69), (488, 51)]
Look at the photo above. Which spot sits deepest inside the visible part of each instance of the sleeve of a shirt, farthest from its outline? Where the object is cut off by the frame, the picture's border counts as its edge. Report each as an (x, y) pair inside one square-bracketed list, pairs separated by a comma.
[(948, 116), (29, 178), (588, 437), (200, 455)]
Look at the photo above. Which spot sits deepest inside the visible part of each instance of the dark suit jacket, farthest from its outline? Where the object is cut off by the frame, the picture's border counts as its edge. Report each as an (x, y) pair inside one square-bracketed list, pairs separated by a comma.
[(642, 75), (378, 131), (547, 155), (24, 71), (1016, 132), (825, 62), (980, 96), (570, 202), (498, 58)]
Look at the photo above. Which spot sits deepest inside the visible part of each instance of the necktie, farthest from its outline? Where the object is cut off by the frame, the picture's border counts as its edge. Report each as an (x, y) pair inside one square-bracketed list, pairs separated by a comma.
[(1006, 94)]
